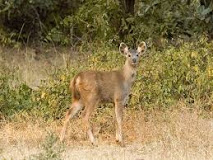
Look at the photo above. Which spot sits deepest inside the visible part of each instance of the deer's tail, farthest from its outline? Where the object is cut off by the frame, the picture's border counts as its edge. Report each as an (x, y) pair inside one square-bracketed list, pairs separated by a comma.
[(74, 88)]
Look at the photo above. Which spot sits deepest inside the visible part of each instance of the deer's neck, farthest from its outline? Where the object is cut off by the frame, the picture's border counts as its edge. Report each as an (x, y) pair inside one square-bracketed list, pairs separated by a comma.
[(129, 73)]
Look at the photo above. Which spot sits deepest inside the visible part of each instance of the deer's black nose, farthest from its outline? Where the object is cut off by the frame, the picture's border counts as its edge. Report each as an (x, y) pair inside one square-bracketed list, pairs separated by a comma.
[(134, 60)]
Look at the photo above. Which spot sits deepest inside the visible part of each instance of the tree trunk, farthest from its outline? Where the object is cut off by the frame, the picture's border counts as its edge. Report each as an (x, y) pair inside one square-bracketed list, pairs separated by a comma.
[(130, 6), (205, 3), (188, 2)]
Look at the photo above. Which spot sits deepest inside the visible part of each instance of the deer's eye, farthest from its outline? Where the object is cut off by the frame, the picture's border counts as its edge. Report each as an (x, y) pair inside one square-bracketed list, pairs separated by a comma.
[(137, 55), (129, 55)]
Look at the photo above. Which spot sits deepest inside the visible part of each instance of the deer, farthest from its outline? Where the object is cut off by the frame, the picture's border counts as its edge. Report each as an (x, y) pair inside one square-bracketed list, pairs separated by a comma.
[(89, 88)]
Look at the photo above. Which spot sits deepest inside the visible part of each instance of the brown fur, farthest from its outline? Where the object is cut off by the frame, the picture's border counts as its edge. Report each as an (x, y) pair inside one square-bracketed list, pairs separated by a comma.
[(89, 88)]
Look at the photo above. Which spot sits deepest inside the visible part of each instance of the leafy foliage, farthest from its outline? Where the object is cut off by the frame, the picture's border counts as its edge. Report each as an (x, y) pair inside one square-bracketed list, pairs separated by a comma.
[(94, 20), (206, 15), (32, 19), (14, 99), (53, 97), (167, 19), (77, 22)]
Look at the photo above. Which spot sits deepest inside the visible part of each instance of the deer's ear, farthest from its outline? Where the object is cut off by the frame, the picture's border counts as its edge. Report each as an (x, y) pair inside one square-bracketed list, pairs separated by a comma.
[(123, 48), (142, 48)]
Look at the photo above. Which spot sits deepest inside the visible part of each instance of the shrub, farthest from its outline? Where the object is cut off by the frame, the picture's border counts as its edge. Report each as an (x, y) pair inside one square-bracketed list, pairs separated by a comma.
[(14, 99), (53, 97)]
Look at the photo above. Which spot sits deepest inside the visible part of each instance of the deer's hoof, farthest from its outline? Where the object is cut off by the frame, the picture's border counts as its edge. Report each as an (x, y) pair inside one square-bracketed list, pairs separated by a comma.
[(120, 143), (94, 144)]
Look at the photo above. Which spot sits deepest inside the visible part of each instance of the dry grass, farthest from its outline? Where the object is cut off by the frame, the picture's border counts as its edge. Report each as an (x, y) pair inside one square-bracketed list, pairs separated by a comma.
[(33, 65), (176, 134)]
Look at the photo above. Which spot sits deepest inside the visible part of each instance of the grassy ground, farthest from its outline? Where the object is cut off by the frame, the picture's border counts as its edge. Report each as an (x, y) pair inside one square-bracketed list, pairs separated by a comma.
[(180, 132)]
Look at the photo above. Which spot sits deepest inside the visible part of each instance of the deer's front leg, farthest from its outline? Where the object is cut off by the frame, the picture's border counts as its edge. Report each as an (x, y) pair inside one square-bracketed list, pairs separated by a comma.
[(119, 118)]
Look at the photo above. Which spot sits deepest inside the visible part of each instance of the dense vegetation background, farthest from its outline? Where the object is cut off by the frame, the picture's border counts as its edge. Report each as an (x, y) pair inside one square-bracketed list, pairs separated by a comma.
[(178, 65), (76, 22)]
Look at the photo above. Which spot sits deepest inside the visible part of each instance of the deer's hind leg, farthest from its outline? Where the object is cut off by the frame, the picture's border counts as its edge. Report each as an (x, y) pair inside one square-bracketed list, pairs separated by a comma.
[(75, 107), (89, 107)]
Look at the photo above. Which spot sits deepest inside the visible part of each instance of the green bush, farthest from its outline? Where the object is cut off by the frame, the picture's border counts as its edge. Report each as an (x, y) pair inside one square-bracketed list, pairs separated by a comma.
[(93, 21), (26, 20), (53, 97), (168, 19), (14, 99)]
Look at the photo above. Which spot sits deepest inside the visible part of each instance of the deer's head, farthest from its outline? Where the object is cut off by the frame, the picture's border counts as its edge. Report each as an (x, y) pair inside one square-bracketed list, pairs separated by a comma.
[(132, 55)]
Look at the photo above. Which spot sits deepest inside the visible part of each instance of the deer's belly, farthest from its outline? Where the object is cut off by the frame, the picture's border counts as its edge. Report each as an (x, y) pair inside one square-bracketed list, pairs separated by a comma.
[(106, 98)]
